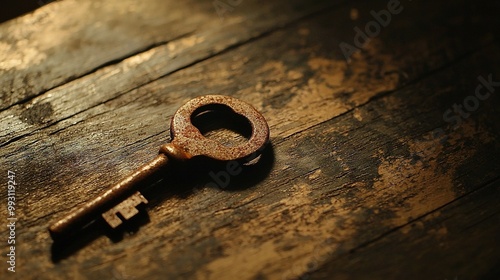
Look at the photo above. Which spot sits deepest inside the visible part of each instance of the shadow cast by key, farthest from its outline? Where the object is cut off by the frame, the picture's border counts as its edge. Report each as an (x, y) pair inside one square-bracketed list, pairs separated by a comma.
[(180, 180)]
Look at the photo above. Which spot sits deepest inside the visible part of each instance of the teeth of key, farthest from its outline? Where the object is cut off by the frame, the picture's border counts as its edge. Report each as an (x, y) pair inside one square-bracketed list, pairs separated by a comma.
[(127, 209), (119, 203)]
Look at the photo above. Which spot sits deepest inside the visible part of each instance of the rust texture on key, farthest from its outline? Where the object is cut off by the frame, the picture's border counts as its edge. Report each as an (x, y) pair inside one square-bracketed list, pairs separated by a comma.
[(187, 142), (189, 138)]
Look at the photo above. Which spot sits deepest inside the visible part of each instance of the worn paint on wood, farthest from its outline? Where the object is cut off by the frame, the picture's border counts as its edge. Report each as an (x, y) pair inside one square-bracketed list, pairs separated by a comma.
[(356, 179)]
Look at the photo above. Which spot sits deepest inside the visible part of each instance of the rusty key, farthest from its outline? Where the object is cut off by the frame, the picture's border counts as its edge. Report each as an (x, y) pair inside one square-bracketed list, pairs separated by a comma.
[(118, 203)]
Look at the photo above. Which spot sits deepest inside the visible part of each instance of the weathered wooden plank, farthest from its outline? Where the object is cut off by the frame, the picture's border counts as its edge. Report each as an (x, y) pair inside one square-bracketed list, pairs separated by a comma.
[(177, 87), (108, 83), (458, 241), (63, 103), (43, 50), (374, 163), (378, 165)]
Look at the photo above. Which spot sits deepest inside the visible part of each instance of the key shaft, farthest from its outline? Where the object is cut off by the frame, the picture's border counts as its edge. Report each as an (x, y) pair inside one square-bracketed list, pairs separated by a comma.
[(82, 216)]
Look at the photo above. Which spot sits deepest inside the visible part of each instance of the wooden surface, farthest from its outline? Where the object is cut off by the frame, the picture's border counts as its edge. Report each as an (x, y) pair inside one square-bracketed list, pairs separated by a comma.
[(356, 183)]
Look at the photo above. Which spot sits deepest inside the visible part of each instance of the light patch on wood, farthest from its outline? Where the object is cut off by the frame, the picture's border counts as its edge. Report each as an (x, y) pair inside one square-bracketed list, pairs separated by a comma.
[(309, 239), (300, 196), (24, 57), (140, 58), (294, 75), (250, 197), (328, 70), (344, 166), (410, 188), (178, 46), (403, 186), (364, 81), (315, 174), (329, 91), (357, 114)]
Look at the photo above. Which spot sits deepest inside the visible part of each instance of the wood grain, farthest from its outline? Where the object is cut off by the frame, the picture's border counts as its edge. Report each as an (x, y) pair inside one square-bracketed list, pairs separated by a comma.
[(35, 47), (355, 185)]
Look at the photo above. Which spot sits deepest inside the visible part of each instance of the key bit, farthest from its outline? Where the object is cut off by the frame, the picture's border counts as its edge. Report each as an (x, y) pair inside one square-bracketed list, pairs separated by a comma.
[(121, 200), (126, 209)]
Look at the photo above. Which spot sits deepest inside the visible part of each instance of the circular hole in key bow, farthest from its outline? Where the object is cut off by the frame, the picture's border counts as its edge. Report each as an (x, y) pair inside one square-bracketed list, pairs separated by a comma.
[(219, 122)]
